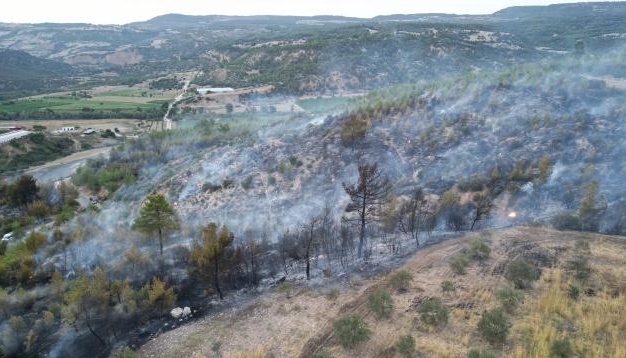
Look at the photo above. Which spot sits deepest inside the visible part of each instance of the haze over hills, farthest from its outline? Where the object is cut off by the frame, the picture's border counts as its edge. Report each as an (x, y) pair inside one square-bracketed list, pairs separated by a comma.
[(321, 53), (243, 149)]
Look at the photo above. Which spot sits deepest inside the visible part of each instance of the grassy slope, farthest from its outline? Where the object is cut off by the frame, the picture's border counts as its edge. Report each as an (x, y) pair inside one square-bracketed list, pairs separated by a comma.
[(300, 323)]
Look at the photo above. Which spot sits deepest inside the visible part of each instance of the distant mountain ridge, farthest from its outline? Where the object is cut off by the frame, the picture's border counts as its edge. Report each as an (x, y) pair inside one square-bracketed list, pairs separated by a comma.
[(315, 54)]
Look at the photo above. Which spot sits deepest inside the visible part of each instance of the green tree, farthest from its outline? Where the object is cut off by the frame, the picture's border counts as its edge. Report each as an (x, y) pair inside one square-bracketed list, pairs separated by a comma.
[(207, 254), (87, 303), (591, 208), (24, 191), (160, 298), (156, 216)]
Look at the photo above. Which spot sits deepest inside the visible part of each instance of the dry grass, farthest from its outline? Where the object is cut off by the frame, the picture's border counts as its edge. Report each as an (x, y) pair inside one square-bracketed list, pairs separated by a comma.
[(300, 324), (595, 325)]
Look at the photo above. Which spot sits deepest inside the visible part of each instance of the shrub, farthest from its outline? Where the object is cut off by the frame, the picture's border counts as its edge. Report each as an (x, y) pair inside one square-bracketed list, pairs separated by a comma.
[(522, 273), (406, 345), (573, 292), (567, 221), (579, 267), (322, 354), (479, 250), (561, 348), (400, 280), (433, 312), (459, 262), (284, 286), (494, 326), (475, 353), (123, 352), (381, 304), (509, 298), (351, 330), (333, 294), (447, 286), (582, 245), (34, 241)]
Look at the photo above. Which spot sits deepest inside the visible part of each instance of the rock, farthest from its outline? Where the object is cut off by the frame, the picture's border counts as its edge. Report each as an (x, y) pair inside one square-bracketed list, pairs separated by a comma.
[(177, 312), (186, 311)]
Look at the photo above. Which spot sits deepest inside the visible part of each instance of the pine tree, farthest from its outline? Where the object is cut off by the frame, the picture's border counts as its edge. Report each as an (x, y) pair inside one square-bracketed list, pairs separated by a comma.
[(207, 254), (156, 216)]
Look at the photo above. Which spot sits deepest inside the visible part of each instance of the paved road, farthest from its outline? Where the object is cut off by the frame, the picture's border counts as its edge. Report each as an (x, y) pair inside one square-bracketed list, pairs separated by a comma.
[(7, 137), (65, 167)]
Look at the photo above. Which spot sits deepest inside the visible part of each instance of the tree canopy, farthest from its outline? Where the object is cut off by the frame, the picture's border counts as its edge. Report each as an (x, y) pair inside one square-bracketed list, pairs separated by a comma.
[(157, 216)]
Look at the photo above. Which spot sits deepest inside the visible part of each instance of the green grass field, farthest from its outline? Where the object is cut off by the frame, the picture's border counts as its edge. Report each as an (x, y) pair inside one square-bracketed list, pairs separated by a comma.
[(69, 104), (133, 92)]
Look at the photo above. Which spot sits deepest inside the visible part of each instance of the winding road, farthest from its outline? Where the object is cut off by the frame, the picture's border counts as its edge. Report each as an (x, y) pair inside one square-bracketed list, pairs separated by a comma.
[(166, 119)]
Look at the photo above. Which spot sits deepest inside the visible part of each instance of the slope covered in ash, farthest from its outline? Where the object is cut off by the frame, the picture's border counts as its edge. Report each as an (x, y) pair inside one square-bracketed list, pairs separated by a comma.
[(468, 131)]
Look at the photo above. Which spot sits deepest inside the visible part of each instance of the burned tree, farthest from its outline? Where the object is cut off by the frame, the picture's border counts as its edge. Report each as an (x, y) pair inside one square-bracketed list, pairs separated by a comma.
[(308, 235), (366, 197), (483, 204), (208, 253), (414, 216)]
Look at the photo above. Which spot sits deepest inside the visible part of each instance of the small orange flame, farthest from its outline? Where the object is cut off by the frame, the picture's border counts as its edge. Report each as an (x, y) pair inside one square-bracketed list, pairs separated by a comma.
[(512, 215)]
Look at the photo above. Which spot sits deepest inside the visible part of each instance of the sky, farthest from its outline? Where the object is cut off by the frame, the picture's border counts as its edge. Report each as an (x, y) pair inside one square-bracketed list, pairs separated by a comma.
[(126, 11)]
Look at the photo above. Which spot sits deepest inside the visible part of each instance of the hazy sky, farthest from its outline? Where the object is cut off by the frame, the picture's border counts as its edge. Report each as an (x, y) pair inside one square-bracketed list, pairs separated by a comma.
[(125, 11)]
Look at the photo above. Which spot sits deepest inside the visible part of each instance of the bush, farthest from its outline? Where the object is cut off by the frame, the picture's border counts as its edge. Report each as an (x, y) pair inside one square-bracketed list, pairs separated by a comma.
[(433, 312), (351, 330), (475, 353), (509, 298), (522, 273), (459, 262), (381, 304), (406, 345), (332, 294), (494, 326), (566, 221), (573, 292), (561, 348), (447, 286), (123, 352), (579, 267), (34, 241), (479, 250), (322, 354), (400, 280)]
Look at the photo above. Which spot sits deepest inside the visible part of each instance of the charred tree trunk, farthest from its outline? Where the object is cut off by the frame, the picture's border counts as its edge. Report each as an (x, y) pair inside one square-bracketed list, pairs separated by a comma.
[(95, 334), (217, 281), (161, 242)]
